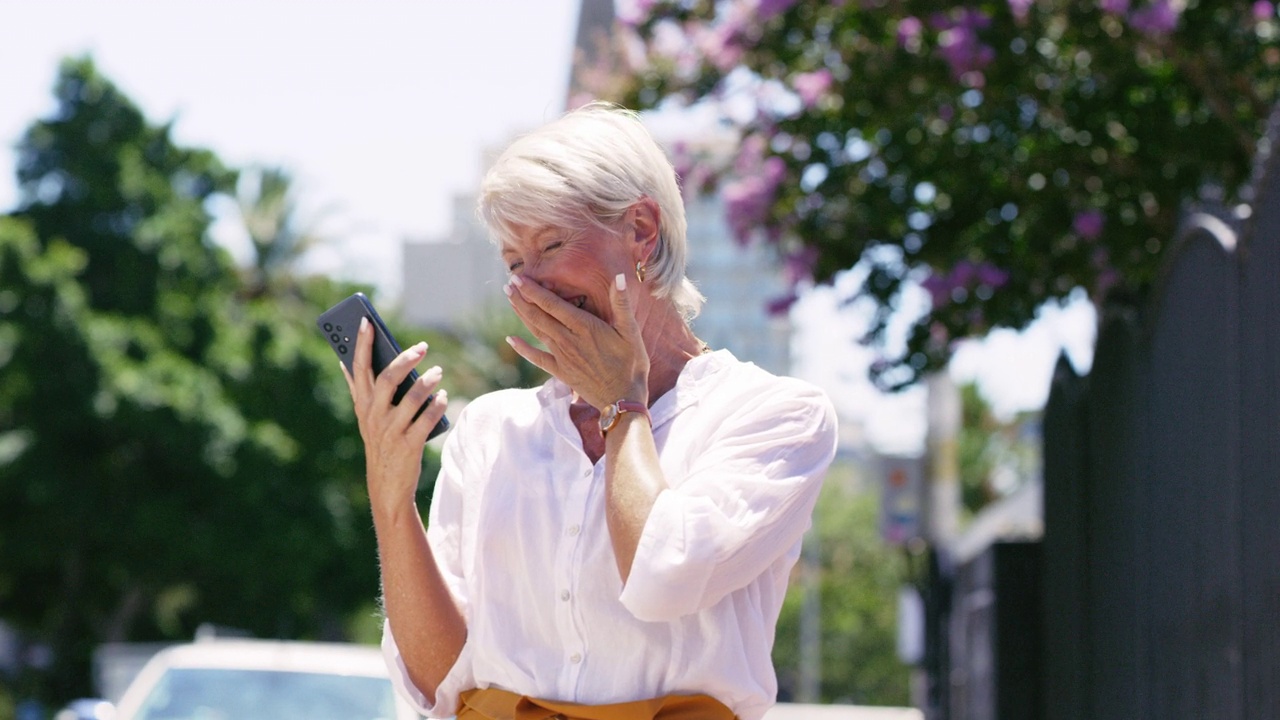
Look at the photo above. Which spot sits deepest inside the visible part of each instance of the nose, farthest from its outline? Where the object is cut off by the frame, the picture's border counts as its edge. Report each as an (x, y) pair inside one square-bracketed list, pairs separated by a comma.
[(524, 274), (533, 271)]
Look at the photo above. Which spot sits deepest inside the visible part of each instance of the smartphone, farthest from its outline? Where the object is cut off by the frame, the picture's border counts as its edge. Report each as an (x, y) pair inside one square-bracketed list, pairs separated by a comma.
[(341, 323)]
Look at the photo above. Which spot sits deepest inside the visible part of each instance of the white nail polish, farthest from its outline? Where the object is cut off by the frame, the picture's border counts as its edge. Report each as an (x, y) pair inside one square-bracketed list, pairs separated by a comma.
[(620, 281)]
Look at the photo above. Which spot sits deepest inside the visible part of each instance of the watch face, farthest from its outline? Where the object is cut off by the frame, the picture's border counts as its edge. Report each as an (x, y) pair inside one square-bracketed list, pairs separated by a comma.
[(608, 416)]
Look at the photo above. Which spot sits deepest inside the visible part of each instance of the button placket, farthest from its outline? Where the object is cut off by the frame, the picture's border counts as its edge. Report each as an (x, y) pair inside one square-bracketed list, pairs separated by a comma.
[(577, 498)]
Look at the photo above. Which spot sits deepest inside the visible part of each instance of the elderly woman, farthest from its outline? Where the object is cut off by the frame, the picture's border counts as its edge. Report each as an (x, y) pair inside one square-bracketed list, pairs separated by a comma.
[(617, 542)]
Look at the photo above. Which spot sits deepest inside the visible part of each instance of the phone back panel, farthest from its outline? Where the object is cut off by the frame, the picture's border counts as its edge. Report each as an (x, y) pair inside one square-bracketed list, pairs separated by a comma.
[(341, 323)]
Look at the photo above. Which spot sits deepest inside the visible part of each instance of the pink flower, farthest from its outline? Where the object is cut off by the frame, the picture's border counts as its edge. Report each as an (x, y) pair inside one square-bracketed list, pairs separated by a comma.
[(721, 44), (909, 31), (747, 200), (1262, 10), (962, 274), (750, 154), (1114, 7), (1020, 8), (781, 305), (958, 42), (939, 290), (992, 276), (749, 197), (633, 12), (696, 182), (767, 9), (811, 86), (1088, 224), (721, 47), (1158, 18), (966, 275), (798, 265)]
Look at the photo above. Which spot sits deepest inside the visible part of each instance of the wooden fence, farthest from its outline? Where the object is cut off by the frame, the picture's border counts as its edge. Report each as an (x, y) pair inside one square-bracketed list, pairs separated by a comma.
[(1160, 564)]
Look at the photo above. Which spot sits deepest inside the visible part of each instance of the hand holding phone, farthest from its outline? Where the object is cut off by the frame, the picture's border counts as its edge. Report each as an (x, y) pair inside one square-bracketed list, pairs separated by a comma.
[(340, 324)]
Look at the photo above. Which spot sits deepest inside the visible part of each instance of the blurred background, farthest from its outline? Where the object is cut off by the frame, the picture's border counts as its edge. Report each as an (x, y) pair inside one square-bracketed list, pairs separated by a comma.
[(920, 207)]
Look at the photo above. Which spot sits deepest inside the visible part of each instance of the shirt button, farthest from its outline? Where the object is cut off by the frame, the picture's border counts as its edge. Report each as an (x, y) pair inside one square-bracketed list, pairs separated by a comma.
[(564, 595), (574, 530), (575, 658)]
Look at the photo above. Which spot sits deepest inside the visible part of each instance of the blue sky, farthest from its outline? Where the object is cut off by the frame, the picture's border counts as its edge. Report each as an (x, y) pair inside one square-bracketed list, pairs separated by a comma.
[(382, 110)]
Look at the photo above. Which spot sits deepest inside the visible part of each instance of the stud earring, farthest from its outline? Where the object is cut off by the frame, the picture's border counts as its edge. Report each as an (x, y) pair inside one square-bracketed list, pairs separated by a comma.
[(640, 271)]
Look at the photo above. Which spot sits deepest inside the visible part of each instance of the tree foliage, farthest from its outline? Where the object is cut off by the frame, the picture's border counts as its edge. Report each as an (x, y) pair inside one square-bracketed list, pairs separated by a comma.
[(995, 456), (268, 207), (176, 446), (1001, 154), (858, 576)]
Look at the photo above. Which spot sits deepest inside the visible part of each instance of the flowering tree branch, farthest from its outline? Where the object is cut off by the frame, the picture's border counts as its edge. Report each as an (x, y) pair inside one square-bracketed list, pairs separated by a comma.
[(997, 154)]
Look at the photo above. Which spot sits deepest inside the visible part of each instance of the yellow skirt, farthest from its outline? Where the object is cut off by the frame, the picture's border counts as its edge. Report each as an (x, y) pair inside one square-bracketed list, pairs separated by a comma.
[(495, 704)]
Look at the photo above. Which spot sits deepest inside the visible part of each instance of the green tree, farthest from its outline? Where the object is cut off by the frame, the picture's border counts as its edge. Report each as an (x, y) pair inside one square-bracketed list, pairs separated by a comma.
[(1002, 154), (858, 578), (173, 450), (479, 360), (268, 208), (996, 456)]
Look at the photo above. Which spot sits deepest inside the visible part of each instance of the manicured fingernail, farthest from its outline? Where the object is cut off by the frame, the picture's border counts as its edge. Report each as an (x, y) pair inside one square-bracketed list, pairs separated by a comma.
[(515, 280), (434, 373), (364, 323), (511, 341), (621, 281), (442, 394), (420, 348), (506, 288)]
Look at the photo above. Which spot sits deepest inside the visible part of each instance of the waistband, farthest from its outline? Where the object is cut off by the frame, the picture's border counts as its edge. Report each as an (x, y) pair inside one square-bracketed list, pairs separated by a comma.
[(496, 704)]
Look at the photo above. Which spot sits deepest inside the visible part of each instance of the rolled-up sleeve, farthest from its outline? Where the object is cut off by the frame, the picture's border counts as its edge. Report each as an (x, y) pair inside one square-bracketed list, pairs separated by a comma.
[(446, 534), (454, 684), (746, 504)]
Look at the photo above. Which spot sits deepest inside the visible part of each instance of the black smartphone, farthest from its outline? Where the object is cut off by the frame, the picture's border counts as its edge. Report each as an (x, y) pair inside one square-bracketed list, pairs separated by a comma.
[(341, 323)]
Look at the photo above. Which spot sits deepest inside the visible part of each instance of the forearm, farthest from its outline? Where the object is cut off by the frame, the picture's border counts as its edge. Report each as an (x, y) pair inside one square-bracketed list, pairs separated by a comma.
[(633, 480), (429, 629)]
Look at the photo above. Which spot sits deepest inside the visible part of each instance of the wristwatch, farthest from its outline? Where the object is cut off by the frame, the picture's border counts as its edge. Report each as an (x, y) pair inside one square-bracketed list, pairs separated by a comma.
[(610, 414)]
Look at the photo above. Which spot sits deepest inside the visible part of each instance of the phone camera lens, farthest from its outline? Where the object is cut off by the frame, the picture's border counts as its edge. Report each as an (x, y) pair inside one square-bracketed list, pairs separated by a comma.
[(346, 339), (328, 327), (334, 337), (338, 328), (342, 349)]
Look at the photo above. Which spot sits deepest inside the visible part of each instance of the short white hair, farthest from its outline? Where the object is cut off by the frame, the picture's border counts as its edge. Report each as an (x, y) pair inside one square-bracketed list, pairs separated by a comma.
[(587, 168)]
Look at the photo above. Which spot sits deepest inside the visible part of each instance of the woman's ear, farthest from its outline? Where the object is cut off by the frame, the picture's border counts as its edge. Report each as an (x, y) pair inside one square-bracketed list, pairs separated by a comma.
[(647, 223)]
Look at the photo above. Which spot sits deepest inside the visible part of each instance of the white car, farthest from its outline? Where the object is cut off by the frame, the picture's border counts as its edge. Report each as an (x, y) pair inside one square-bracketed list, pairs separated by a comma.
[(264, 680)]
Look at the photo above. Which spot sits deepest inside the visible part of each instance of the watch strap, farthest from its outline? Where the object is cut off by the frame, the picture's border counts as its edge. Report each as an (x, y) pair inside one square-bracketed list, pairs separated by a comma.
[(610, 415)]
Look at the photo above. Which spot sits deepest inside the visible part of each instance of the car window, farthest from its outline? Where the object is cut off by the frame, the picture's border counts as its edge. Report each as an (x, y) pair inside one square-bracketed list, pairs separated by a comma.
[(217, 694)]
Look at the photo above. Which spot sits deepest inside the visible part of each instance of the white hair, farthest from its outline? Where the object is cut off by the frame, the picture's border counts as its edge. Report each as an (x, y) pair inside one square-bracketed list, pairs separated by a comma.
[(588, 168)]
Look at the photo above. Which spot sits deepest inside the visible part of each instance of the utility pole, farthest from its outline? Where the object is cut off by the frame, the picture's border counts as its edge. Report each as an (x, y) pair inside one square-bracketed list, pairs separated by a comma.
[(940, 525), (809, 688), (942, 454)]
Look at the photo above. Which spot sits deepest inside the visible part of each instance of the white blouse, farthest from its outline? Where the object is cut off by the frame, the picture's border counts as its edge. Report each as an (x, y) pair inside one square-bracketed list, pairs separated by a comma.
[(517, 525)]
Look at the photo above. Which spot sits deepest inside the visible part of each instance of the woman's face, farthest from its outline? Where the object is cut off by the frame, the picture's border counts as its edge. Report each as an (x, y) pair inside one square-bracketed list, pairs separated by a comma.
[(576, 265)]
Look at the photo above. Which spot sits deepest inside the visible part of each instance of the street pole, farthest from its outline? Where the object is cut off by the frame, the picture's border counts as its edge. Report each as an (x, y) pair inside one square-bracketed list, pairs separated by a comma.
[(942, 498), (810, 680), (940, 525)]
